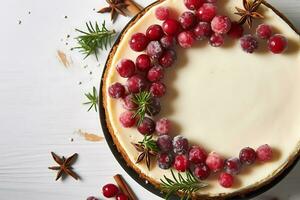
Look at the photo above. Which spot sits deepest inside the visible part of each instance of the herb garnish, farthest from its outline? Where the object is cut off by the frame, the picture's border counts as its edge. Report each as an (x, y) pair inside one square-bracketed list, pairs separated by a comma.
[(115, 7), (143, 101), (93, 99), (249, 12)]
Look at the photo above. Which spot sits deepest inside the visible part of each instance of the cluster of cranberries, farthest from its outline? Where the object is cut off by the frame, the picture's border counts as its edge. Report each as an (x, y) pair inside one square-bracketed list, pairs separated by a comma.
[(111, 190)]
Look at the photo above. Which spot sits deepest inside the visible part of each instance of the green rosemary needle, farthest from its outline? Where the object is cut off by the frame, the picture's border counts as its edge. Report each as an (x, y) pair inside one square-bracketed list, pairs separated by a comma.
[(93, 99), (143, 101)]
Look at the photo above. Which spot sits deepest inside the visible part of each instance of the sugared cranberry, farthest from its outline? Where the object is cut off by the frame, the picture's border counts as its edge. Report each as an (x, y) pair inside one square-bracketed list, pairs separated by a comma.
[(202, 30), (92, 198), (162, 13), (171, 27), (154, 107), (127, 119), (128, 102), (197, 155), (207, 12), (158, 89), (163, 126), (180, 145), (216, 40), (221, 24), (154, 32), (147, 126), (236, 30), (247, 156), (249, 43), (214, 161), (165, 160), (264, 31), (202, 171), (264, 153), (186, 39), (226, 180), (138, 42), (155, 74), (154, 49), (110, 190), (181, 163), (136, 83), (121, 197), (277, 44), (116, 90), (193, 4), (168, 58), (187, 20), (164, 143), (232, 166), (168, 41), (126, 68), (143, 62)]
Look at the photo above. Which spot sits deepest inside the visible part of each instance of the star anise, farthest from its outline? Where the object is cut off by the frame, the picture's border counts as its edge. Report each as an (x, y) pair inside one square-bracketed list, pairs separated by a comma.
[(249, 12), (64, 167), (115, 7), (147, 148)]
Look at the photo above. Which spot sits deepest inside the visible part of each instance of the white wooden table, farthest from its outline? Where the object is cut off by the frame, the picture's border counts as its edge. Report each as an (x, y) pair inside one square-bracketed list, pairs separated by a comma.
[(41, 102)]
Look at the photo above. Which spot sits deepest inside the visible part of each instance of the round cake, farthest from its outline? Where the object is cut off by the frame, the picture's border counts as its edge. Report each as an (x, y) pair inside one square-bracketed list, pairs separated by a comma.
[(225, 92)]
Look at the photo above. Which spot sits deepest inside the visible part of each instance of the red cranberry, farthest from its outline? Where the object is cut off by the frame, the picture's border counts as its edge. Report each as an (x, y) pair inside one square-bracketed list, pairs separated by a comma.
[(181, 163), (121, 197), (264, 153), (211, 1), (186, 39), (216, 40), (247, 156), (215, 162), (136, 83), (155, 74), (226, 180), (168, 41), (193, 4), (143, 62), (171, 27), (180, 145), (197, 155), (154, 107), (232, 166), (236, 30), (128, 102), (158, 89), (202, 30), (277, 44), (264, 31), (221, 24), (138, 42), (165, 160), (126, 68), (187, 20), (154, 49), (116, 90), (163, 126), (202, 171), (207, 12), (249, 43), (168, 58), (164, 142), (162, 13), (154, 32), (110, 190), (127, 119), (147, 126)]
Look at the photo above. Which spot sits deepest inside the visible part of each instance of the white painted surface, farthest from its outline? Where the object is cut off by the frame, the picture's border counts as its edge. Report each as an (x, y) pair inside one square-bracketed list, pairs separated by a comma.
[(40, 103)]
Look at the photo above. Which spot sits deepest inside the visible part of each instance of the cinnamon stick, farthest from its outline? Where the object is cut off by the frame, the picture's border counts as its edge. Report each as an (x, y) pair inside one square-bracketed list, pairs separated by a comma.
[(124, 187), (133, 8)]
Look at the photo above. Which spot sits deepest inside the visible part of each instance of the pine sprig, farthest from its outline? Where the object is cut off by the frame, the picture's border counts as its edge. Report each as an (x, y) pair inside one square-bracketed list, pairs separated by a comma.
[(186, 185), (143, 102), (149, 143), (94, 38), (93, 99)]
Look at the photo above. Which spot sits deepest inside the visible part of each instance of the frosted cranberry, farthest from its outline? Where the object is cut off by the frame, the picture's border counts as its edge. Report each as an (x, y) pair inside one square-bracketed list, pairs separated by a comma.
[(154, 32), (236, 30), (147, 126), (163, 126), (164, 143), (136, 84), (193, 4), (264, 153), (165, 160), (221, 24), (249, 43), (158, 89), (162, 13), (138, 42), (127, 119), (116, 90), (181, 163), (180, 145), (154, 107), (154, 49), (187, 20), (197, 155), (232, 166), (110, 190), (168, 41), (92, 198), (128, 102), (216, 40), (247, 156), (168, 58), (226, 180), (126, 68), (155, 74), (214, 161), (186, 39), (202, 30), (171, 27), (264, 31), (207, 12), (202, 171), (143, 62), (121, 197), (277, 44)]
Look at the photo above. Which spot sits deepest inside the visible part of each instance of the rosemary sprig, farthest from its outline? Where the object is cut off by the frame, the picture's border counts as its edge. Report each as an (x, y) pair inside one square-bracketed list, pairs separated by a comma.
[(186, 185), (149, 143), (143, 102), (93, 99), (94, 38)]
